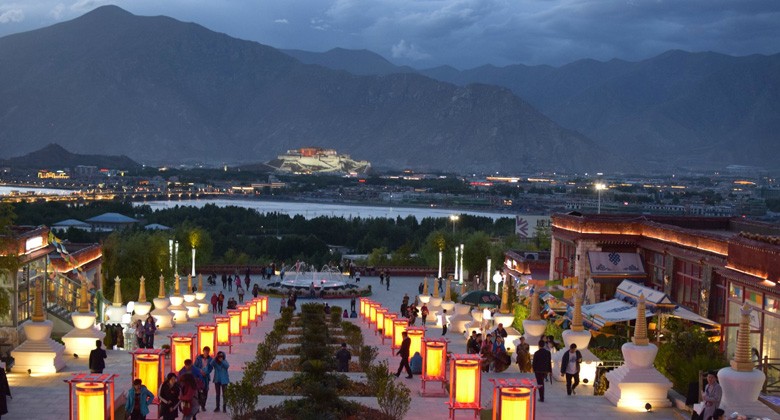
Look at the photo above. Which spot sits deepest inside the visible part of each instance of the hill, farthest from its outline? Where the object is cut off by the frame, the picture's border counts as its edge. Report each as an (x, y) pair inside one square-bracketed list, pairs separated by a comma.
[(157, 89), (54, 156)]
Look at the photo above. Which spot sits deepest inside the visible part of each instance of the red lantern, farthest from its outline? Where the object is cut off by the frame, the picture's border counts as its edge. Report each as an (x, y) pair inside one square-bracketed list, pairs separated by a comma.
[(235, 324), (148, 366), (380, 319), (514, 399), (258, 302), (183, 347), (434, 366), (416, 334), (207, 336), (399, 326), (245, 318), (91, 396), (223, 331), (465, 383)]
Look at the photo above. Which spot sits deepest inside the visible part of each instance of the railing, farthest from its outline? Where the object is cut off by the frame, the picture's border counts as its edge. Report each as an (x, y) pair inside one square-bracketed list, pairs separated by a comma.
[(600, 384), (771, 369)]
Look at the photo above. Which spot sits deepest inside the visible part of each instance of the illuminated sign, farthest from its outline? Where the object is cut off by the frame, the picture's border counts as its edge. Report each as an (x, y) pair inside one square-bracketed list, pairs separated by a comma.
[(33, 243)]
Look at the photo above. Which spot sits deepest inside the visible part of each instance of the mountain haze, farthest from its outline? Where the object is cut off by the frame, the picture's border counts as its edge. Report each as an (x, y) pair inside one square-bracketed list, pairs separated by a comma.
[(54, 156), (160, 90), (678, 109)]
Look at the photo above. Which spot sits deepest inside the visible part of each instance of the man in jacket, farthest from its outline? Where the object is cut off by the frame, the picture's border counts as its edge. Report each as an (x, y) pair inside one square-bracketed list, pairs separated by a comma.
[(343, 356), (97, 358), (404, 353), (570, 366), (221, 378), (542, 365), (203, 364), (138, 400)]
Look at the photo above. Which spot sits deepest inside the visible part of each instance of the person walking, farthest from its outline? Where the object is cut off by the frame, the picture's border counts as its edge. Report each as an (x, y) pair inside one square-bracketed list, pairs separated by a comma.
[(343, 356), (224, 281), (138, 400), (404, 353), (149, 330), (240, 291), (382, 278), (424, 312), (204, 363), (188, 396), (387, 281), (169, 397), (97, 358), (230, 283), (570, 366), (221, 379), (255, 290), (238, 280), (214, 302), (311, 291), (221, 301), (444, 322), (281, 274), (247, 280), (281, 309), (352, 303), (140, 334), (542, 365)]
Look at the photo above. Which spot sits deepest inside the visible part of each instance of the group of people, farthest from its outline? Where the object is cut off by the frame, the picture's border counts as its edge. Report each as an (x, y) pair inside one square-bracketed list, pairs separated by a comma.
[(492, 349), (185, 392), (217, 302), (144, 332)]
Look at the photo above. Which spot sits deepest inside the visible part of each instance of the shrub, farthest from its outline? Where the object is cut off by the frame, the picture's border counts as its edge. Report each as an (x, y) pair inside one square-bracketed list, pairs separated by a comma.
[(241, 397), (335, 314), (367, 356), (375, 374), (521, 313), (393, 399), (686, 342)]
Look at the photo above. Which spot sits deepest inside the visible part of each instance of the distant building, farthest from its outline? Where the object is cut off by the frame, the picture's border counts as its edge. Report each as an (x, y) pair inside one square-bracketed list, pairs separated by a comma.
[(111, 221), (70, 223), (156, 226), (45, 174), (316, 160)]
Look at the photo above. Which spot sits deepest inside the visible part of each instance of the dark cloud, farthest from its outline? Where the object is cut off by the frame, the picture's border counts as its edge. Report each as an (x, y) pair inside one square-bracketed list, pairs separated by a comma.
[(463, 33)]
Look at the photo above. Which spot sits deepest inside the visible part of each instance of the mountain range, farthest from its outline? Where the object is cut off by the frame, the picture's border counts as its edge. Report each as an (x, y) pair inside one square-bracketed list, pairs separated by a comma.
[(54, 156), (160, 90), (678, 109)]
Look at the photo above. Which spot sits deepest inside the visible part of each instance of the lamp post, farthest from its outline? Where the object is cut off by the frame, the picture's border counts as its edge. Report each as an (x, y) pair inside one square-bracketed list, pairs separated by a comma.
[(193, 261), (600, 187), (461, 264), (434, 365), (487, 274), (176, 257), (416, 335), (223, 331), (207, 336), (182, 348), (399, 326), (235, 324), (497, 279), (454, 218), (514, 399), (148, 366), (457, 260), (91, 396), (465, 383), (439, 264)]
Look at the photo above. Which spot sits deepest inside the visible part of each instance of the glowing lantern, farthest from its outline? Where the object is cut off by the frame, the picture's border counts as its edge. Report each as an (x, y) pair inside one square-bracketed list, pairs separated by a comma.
[(207, 336), (265, 304), (416, 334), (253, 312), (399, 326), (148, 366), (514, 399), (91, 396), (223, 331), (434, 353), (235, 324), (465, 383), (182, 348), (363, 302), (372, 307), (245, 317), (380, 319), (258, 308), (387, 328)]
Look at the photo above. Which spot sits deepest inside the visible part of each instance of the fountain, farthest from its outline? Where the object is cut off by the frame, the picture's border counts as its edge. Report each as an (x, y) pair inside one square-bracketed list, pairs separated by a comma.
[(179, 311), (200, 297), (116, 312), (142, 307), (39, 353), (81, 339), (576, 334), (741, 383), (161, 314), (193, 310), (637, 382)]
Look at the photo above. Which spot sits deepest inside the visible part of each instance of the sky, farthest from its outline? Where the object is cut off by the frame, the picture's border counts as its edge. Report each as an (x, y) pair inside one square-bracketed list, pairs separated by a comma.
[(460, 33)]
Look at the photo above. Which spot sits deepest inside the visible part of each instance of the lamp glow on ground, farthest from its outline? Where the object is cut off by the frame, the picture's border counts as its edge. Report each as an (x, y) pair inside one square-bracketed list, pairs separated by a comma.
[(207, 336), (235, 324), (183, 347), (434, 366), (514, 399), (148, 366), (465, 384), (223, 331), (91, 396)]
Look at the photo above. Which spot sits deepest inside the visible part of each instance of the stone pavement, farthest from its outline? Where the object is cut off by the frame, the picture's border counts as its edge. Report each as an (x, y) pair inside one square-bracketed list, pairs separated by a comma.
[(46, 397)]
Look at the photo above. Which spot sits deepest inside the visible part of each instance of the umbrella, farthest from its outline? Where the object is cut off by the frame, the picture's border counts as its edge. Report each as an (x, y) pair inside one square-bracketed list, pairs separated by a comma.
[(480, 298)]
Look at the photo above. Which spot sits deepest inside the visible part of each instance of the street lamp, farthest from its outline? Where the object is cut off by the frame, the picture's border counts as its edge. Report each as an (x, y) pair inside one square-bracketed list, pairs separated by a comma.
[(497, 278), (600, 187), (454, 218)]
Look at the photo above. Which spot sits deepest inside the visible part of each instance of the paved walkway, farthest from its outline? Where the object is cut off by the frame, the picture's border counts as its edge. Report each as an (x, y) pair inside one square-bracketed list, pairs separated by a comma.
[(46, 397)]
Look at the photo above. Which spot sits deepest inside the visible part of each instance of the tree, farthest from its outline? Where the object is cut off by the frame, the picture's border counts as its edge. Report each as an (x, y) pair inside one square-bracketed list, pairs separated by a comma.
[(8, 257), (378, 257)]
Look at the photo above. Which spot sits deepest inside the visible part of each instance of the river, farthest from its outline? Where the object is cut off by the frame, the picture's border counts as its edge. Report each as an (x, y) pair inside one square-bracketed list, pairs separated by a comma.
[(7, 190)]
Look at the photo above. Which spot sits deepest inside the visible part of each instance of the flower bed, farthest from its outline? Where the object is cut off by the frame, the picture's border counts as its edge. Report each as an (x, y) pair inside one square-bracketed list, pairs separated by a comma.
[(292, 386), (293, 364)]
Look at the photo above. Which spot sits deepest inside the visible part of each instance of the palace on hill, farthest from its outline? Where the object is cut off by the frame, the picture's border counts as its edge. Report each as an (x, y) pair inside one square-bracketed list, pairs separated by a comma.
[(316, 160)]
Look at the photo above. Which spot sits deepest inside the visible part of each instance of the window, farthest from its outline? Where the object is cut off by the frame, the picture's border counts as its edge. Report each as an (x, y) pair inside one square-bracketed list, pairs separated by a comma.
[(687, 284), (656, 268), (564, 264)]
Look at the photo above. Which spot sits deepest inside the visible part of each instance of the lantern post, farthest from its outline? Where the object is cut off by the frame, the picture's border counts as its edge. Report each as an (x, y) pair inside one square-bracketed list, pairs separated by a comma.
[(416, 334), (223, 331), (207, 336), (91, 396), (235, 324), (258, 302), (265, 305), (372, 307), (252, 304), (387, 328), (399, 326), (149, 366), (380, 320), (465, 384), (434, 366), (245, 318), (183, 347), (514, 399)]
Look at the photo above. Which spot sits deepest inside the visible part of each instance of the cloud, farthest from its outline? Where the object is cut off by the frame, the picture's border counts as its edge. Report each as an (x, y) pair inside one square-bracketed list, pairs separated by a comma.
[(281, 21), (86, 5), (13, 15), (408, 50), (319, 24), (56, 13)]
